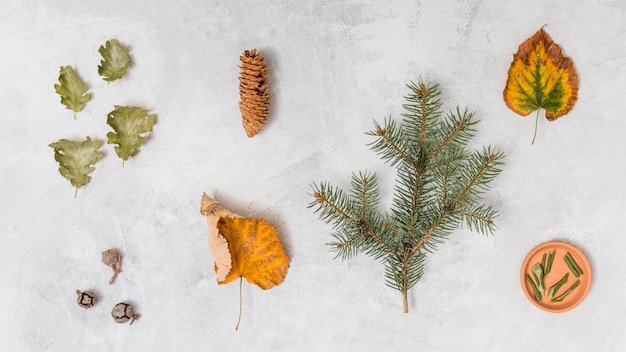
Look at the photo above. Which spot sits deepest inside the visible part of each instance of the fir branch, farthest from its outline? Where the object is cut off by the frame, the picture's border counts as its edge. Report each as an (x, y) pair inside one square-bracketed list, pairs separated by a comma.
[(482, 168), (438, 188), (432, 231), (379, 237), (479, 218), (423, 113), (446, 161), (346, 248), (336, 208), (457, 130), (393, 230), (423, 94), (387, 145), (365, 193)]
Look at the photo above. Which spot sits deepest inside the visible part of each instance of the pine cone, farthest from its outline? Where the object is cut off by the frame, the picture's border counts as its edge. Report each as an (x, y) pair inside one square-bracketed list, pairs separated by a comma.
[(255, 97)]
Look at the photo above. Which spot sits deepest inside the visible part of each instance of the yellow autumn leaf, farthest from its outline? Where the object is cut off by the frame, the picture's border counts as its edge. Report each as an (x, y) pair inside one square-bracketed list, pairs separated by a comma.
[(256, 251), (541, 77), (244, 248)]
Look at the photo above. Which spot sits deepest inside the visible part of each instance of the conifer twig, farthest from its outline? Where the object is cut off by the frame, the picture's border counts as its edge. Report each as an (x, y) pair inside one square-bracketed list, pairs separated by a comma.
[(423, 93), (438, 188), (382, 134), (323, 200), (450, 137)]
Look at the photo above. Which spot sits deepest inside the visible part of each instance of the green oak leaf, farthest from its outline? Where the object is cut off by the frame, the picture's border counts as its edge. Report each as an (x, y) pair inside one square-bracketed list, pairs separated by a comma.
[(75, 159), (72, 90), (115, 60), (131, 125)]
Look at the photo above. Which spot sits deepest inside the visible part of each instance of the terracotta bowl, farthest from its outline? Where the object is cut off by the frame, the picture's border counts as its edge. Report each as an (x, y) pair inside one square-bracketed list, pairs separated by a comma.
[(558, 270)]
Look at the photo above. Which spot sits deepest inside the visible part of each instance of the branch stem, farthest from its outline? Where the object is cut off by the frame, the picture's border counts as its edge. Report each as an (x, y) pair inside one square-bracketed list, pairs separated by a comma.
[(424, 93), (405, 299)]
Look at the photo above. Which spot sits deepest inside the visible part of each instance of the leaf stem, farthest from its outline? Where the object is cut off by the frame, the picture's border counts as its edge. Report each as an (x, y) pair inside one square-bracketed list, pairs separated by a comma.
[(75, 192), (240, 303), (536, 123)]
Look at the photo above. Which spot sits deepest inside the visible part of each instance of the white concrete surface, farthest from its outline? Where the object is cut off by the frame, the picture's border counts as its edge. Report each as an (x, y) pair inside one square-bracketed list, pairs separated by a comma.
[(334, 67)]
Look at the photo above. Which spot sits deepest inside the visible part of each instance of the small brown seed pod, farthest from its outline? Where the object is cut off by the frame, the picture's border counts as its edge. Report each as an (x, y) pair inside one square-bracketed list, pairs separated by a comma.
[(86, 299), (123, 312), (255, 97), (112, 258)]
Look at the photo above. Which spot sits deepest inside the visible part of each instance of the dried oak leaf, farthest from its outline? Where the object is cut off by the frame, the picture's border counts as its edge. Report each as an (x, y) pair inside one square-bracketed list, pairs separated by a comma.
[(76, 158), (72, 90), (541, 77), (115, 60), (244, 248), (132, 125)]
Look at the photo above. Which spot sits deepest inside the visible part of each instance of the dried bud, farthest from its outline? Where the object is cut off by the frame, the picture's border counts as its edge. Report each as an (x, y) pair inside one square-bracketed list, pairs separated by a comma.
[(123, 312), (113, 259), (86, 299)]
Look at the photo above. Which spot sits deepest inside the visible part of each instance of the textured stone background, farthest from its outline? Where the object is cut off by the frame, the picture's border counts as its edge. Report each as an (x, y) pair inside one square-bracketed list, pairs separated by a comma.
[(334, 66)]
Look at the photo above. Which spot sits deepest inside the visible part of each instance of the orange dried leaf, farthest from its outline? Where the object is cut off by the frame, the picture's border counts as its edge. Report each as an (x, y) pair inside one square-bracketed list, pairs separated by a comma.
[(541, 77), (257, 253), (244, 248)]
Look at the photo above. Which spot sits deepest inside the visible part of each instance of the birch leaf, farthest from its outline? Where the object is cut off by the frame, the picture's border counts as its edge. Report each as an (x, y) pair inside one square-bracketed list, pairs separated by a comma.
[(72, 90), (251, 245), (541, 77), (131, 125), (115, 60), (76, 158), (256, 251)]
